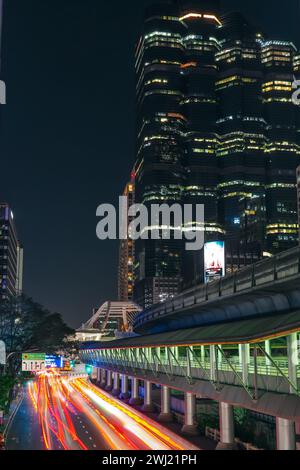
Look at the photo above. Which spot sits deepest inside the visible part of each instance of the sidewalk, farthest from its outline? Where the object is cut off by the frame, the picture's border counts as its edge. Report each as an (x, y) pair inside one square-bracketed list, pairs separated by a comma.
[(14, 406)]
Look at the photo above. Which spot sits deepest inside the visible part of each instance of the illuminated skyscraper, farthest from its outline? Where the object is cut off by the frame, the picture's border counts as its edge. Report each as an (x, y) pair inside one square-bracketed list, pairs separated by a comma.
[(241, 133), (126, 254), (11, 256), (282, 150), (215, 126), (176, 123)]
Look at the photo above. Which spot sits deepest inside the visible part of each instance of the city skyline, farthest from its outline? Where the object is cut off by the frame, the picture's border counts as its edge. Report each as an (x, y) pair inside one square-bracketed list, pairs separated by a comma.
[(60, 191), (150, 163)]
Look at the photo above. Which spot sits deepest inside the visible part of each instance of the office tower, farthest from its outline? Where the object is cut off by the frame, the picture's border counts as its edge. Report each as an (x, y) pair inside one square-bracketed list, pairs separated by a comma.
[(176, 123), (200, 107), (11, 256), (161, 128), (127, 252), (282, 151), (241, 131), (215, 126)]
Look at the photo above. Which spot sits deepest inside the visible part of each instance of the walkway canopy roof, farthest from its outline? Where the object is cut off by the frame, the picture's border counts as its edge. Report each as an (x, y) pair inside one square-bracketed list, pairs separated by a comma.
[(237, 332)]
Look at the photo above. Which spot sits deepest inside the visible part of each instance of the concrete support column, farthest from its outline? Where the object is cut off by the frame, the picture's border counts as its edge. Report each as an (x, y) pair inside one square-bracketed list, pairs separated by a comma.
[(109, 381), (220, 356), (165, 413), (190, 427), (293, 359), (175, 352), (116, 388), (268, 351), (202, 355), (103, 378), (286, 434), (98, 375), (213, 370), (226, 428), (244, 357), (135, 399), (150, 358), (124, 387), (148, 405)]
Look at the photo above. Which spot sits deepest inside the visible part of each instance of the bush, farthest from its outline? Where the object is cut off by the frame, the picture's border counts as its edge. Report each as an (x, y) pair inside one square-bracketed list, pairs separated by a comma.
[(6, 386)]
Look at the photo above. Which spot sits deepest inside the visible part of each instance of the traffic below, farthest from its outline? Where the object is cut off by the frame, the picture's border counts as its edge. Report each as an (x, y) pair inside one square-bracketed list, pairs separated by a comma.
[(74, 414)]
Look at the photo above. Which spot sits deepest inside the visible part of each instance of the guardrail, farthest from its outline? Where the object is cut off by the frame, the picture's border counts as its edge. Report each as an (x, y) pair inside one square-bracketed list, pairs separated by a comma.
[(285, 266)]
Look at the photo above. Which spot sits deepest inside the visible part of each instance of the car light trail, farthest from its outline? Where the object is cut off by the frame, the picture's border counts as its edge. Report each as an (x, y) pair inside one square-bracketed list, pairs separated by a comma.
[(58, 400)]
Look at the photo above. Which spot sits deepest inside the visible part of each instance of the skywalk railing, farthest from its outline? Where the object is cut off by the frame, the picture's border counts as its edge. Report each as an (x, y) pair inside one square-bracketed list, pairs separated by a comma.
[(283, 266)]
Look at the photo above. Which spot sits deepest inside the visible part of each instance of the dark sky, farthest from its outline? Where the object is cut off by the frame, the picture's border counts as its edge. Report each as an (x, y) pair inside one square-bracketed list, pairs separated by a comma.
[(67, 134)]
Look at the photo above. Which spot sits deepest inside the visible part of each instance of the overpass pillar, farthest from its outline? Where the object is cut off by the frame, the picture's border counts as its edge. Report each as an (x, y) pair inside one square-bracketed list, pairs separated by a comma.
[(190, 427), (286, 434), (148, 404), (175, 352), (165, 413), (135, 399), (149, 355), (213, 370), (103, 378), (293, 359), (226, 428), (244, 356), (116, 388), (268, 351), (98, 375), (124, 387), (202, 355), (109, 380)]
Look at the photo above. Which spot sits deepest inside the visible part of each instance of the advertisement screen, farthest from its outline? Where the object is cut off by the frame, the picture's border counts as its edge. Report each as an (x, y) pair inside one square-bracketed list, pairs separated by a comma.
[(214, 260)]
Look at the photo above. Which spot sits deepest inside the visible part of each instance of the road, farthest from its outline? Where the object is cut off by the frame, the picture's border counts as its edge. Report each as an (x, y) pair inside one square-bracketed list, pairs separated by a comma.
[(63, 413)]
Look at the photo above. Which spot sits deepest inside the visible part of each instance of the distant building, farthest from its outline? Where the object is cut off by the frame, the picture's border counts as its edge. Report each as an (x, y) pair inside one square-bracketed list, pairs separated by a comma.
[(11, 256), (112, 320), (126, 254)]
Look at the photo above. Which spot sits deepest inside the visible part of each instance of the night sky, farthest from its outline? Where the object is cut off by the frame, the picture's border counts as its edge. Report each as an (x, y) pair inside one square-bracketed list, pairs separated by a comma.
[(67, 134)]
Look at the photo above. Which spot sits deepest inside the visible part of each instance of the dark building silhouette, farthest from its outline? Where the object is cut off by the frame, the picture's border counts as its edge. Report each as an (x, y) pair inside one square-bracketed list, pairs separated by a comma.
[(11, 256)]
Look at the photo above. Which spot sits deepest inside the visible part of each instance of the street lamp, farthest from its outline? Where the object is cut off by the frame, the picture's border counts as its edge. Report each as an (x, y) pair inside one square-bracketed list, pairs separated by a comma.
[(5, 362)]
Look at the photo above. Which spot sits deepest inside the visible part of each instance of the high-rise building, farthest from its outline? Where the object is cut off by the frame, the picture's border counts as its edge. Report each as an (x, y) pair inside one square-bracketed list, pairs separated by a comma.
[(126, 252), (11, 256), (216, 125)]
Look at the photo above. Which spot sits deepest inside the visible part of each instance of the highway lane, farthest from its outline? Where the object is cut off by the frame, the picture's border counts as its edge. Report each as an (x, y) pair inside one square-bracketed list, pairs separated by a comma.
[(24, 432), (59, 412)]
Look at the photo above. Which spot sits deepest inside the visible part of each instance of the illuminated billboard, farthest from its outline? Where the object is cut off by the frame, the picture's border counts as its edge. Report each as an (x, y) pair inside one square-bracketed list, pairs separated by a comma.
[(214, 260)]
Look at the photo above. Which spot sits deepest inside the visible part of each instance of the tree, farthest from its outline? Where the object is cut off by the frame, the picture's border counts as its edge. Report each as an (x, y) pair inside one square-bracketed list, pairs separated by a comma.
[(26, 325)]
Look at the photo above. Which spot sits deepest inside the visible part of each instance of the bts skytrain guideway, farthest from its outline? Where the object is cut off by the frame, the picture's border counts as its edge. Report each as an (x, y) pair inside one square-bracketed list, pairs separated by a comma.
[(234, 341)]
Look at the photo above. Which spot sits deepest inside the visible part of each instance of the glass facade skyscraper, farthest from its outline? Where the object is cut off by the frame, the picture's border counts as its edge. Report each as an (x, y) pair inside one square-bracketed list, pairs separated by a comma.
[(215, 126)]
